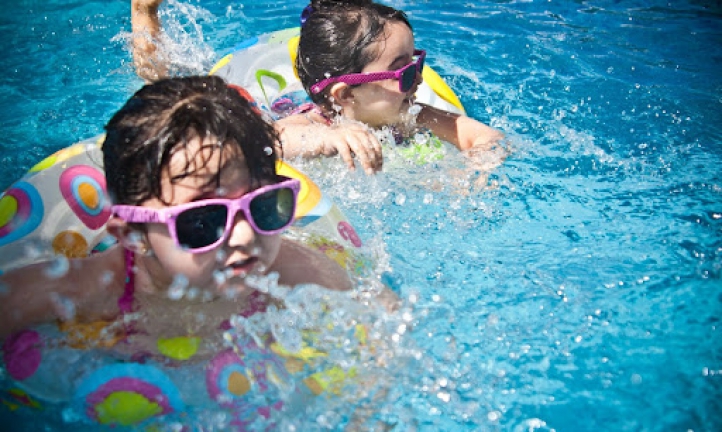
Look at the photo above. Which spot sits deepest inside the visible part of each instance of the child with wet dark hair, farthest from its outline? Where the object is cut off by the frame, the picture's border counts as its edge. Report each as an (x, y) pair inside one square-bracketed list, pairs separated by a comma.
[(191, 173), (357, 59), (358, 63)]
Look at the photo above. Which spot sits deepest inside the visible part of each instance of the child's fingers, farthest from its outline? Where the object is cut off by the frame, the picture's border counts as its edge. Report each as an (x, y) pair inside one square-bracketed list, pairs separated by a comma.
[(375, 148), (346, 154), (370, 160)]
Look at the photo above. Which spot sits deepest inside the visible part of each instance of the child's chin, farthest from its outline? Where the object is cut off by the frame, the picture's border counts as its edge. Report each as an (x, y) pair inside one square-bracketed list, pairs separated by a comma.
[(234, 288)]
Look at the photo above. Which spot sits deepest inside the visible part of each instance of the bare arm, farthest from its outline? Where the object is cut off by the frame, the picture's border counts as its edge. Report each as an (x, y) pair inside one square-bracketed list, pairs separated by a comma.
[(308, 135), (149, 65), (462, 131)]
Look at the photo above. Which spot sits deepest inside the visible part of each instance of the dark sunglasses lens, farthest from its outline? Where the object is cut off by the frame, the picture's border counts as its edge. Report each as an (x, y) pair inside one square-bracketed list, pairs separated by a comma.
[(202, 226), (273, 210), (408, 78)]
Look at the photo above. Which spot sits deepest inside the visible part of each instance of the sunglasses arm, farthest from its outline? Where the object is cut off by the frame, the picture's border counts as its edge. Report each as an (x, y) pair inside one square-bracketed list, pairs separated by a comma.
[(138, 214)]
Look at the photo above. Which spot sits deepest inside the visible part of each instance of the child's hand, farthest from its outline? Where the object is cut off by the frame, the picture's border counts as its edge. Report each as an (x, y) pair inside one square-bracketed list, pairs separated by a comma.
[(146, 26), (144, 5), (353, 141), (307, 135)]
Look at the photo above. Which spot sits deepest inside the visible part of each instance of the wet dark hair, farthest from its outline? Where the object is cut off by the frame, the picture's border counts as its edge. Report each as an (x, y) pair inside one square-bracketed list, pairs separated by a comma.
[(163, 118), (335, 40)]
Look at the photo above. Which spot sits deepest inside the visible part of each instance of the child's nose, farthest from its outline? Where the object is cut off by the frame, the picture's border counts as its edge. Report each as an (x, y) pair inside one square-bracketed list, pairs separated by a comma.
[(242, 232)]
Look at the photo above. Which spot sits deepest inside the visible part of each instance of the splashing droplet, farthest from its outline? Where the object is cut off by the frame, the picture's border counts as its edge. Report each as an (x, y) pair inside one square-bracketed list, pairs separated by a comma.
[(58, 267), (106, 278), (414, 109), (177, 288), (135, 238), (64, 307), (219, 277)]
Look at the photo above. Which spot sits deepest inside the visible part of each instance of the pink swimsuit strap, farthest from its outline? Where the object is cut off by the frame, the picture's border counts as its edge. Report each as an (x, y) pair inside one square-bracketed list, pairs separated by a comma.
[(125, 302), (310, 107), (257, 302)]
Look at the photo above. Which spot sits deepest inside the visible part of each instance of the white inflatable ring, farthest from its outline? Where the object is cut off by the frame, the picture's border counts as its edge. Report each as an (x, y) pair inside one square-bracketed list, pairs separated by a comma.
[(264, 65)]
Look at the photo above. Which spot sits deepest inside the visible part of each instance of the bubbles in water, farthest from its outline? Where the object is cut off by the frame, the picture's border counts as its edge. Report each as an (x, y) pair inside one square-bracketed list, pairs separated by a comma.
[(414, 109), (444, 396), (57, 268), (285, 332), (219, 277), (400, 199), (33, 249), (221, 191), (106, 278), (193, 293), (221, 255), (64, 307), (135, 239), (266, 283), (177, 288), (328, 420), (421, 138)]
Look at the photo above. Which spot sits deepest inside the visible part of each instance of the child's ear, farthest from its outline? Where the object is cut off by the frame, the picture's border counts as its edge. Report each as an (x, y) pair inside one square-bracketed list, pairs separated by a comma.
[(127, 237), (342, 94)]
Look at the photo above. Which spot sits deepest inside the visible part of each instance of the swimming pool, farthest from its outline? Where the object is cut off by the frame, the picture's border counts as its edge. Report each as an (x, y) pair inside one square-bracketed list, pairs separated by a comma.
[(579, 290)]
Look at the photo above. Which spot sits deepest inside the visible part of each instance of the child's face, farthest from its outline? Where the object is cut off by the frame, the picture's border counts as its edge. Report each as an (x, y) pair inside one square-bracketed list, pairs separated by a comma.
[(381, 103), (243, 252)]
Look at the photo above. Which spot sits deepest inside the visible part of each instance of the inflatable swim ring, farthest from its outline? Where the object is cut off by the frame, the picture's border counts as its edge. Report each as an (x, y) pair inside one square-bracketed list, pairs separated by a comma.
[(59, 208), (264, 65)]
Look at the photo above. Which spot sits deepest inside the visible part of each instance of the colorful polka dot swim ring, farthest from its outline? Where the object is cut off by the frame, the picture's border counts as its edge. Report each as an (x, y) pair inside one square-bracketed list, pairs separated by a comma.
[(60, 208)]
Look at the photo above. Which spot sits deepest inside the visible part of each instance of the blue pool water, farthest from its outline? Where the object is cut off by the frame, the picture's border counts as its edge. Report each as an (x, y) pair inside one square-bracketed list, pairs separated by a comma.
[(579, 289)]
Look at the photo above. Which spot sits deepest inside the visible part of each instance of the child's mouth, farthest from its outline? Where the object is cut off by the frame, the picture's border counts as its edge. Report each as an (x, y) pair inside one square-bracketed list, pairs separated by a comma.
[(241, 268)]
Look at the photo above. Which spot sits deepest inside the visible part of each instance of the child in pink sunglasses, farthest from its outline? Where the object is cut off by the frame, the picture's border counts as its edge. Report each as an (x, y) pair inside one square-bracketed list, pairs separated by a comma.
[(358, 63), (191, 170), (357, 59)]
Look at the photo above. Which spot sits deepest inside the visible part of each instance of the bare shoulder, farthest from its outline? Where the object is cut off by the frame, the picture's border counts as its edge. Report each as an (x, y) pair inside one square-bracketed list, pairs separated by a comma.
[(299, 264)]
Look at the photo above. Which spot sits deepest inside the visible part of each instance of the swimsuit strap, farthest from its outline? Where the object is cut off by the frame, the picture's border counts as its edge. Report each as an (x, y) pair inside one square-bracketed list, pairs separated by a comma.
[(125, 302), (311, 107)]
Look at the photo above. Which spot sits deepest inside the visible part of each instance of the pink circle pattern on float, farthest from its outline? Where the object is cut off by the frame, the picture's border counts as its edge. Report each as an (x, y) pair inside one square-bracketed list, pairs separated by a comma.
[(127, 394), (348, 233), (21, 354), (26, 215), (258, 398), (126, 384), (83, 188)]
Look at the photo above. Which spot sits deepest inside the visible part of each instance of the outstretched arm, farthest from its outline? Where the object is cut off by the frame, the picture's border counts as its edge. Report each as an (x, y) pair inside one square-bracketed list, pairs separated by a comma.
[(149, 65), (462, 131)]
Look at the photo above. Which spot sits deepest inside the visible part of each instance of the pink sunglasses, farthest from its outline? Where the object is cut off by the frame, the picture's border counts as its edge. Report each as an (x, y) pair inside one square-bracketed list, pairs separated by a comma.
[(406, 76), (202, 226)]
